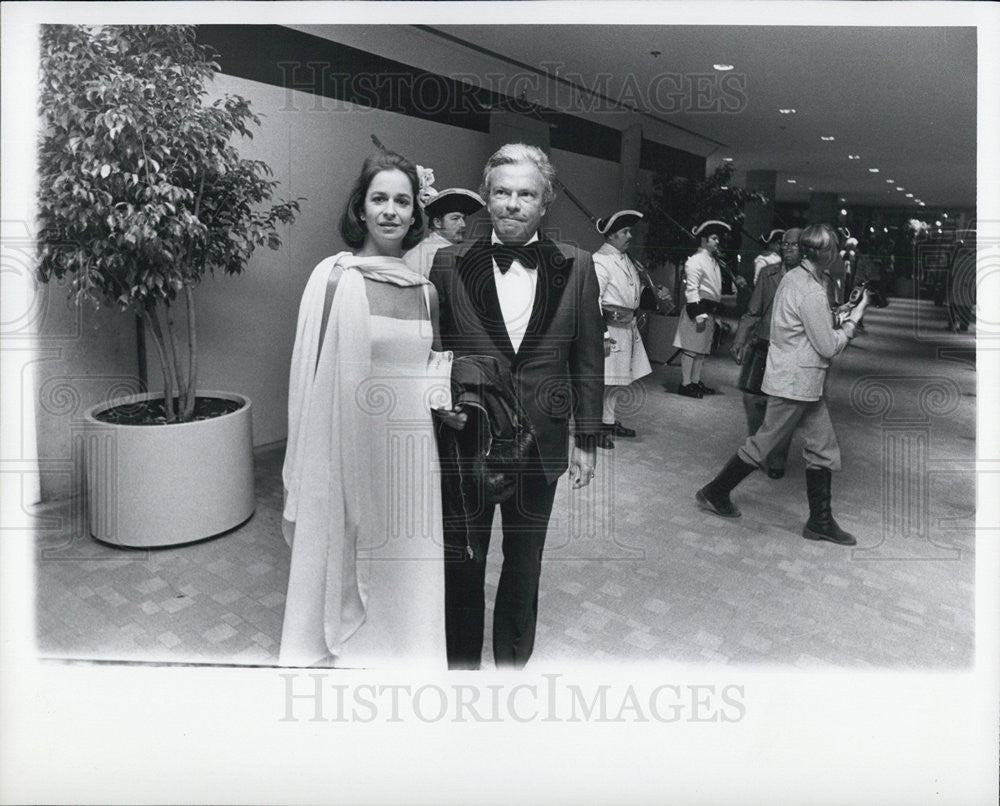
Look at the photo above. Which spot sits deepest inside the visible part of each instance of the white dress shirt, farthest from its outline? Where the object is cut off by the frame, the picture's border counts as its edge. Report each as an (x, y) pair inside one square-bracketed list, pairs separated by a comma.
[(516, 292)]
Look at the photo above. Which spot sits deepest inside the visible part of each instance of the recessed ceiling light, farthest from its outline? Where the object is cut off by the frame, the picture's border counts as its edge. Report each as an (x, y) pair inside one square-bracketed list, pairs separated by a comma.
[(853, 156), (922, 204), (944, 215), (827, 139), (791, 181), (937, 223), (843, 212), (890, 181), (722, 67), (909, 195), (787, 111), (873, 170), (727, 159), (898, 187), (885, 229)]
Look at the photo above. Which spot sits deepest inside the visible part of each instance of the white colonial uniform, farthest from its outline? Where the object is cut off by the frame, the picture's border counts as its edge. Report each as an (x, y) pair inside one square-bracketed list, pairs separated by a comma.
[(702, 281), (620, 286), (421, 256)]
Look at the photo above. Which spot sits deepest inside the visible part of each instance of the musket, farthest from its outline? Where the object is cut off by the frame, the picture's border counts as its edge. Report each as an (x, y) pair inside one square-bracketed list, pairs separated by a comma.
[(644, 275)]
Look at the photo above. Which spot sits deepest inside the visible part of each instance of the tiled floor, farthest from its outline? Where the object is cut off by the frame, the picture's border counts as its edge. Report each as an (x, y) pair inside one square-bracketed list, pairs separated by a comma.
[(655, 578)]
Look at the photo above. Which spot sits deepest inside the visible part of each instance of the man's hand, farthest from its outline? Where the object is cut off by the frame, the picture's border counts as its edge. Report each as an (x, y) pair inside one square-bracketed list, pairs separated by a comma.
[(741, 282), (453, 418), (663, 294), (738, 352), (700, 323), (581, 467)]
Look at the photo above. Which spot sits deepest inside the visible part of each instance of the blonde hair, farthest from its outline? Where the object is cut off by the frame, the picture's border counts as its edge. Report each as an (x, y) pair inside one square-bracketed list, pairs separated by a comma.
[(513, 153)]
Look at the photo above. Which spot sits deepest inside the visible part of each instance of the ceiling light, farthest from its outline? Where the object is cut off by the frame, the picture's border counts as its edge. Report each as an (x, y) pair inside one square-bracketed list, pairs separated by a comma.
[(922, 204), (871, 229), (843, 212), (944, 215), (890, 181), (900, 188), (873, 170), (791, 181), (727, 159), (885, 229), (787, 111), (827, 139), (853, 156), (909, 195), (722, 67), (937, 223)]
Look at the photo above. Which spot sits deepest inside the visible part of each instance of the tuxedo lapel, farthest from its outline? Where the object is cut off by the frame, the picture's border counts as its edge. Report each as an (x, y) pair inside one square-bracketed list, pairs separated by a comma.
[(476, 273), (553, 276)]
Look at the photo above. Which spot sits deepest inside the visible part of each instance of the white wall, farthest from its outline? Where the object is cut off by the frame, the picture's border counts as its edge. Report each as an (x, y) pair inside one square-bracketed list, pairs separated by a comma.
[(246, 324)]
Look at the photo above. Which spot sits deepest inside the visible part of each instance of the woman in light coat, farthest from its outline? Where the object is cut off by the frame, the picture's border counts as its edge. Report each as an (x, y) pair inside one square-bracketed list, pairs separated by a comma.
[(803, 341)]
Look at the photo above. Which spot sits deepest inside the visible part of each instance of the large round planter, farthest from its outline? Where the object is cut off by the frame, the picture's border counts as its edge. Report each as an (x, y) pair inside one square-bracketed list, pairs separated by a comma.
[(161, 485)]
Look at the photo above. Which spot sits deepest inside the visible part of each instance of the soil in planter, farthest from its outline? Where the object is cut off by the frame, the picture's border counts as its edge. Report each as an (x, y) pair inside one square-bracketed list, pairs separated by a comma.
[(152, 412)]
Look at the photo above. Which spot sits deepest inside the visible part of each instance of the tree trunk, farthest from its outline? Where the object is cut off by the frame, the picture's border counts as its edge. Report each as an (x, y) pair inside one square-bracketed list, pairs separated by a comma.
[(192, 354), (174, 353), (168, 375)]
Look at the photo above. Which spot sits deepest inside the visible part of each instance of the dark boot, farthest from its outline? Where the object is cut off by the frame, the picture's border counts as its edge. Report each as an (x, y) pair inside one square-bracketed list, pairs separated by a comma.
[(714, 496), (821, 525)]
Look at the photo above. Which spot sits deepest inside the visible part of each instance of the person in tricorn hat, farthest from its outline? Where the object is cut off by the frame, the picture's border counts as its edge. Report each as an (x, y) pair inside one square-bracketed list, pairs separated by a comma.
[(771, 256), (702, 293), (621, 283), (446, 213)]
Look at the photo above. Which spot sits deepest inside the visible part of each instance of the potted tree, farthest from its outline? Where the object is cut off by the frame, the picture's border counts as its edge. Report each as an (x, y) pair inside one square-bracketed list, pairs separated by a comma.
[(141, 193)]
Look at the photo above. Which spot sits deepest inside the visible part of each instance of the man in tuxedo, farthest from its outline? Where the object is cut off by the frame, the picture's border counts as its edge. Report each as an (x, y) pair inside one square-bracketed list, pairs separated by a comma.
[(532, 303)]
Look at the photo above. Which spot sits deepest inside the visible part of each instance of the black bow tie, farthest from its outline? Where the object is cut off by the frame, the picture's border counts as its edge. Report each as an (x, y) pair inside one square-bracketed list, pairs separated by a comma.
[(504, 255)]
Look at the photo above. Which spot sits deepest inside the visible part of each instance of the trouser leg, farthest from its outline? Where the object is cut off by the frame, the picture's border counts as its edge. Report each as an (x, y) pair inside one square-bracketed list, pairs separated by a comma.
[(467, 524), (819, 440), (525, 521), (755, 406), (780, 420), (610, 398)]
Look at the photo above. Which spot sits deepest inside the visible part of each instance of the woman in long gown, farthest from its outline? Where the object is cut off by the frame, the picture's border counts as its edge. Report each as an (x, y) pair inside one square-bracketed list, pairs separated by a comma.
[(362, 491)]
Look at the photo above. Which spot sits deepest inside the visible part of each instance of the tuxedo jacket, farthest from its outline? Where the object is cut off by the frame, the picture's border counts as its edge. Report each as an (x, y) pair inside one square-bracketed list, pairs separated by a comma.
[(558, 371)]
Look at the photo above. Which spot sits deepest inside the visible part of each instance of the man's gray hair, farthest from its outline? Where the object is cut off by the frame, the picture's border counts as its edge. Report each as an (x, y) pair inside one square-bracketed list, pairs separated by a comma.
[(513, 153)]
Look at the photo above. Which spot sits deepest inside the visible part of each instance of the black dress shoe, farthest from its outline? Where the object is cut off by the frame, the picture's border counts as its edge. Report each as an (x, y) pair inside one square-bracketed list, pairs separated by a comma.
[(621, 431), (605, 441), (705, 390), (690, 390)]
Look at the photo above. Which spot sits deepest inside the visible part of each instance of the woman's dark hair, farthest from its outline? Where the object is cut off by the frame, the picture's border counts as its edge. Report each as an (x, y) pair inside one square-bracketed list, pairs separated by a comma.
[(352, 228)]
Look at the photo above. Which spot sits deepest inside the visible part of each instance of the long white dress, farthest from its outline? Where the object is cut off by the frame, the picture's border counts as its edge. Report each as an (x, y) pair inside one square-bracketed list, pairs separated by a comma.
[(399, 544)]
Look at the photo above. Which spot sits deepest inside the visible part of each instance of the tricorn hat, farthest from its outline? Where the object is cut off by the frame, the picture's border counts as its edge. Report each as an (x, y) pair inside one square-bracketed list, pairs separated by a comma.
[(453, 200), (616, 221), (711, 227), (772, 236)]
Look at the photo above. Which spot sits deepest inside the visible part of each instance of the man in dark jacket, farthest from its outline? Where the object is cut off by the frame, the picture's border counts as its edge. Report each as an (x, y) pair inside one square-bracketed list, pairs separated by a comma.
[(533, 304)]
